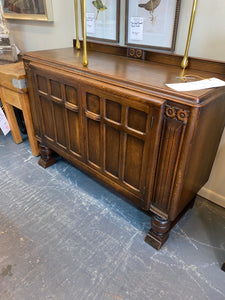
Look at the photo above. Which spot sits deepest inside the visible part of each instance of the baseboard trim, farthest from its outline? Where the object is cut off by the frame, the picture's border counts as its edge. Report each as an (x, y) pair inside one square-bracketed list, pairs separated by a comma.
[(212, 196)]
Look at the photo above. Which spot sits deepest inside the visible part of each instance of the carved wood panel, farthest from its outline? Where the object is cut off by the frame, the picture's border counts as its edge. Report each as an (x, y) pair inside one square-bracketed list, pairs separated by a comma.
[(174, 127), (110, 132), (59, 109), (117, 138)]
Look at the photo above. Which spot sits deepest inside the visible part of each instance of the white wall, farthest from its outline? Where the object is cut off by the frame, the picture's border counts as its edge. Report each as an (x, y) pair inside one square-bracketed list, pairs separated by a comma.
[(214, 189), (34, 35), (208, 41)]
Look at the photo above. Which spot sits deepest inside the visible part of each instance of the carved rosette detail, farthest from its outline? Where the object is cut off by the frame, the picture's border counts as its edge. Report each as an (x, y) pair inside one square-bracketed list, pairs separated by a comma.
[(176, 113), (170, 112), (182, 115), (136, 53), (132, 52), (139, 53)]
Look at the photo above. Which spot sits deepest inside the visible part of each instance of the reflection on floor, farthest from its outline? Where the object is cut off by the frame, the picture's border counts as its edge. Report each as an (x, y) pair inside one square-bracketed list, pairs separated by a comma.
[(64, 236)]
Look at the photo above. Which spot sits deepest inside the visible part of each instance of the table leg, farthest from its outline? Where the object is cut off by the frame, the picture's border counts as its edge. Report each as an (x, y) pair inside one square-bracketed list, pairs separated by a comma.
[(9, 111), (29, 124)]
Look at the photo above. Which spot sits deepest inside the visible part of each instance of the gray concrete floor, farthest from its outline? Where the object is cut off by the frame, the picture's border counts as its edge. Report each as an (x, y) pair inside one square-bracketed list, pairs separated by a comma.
[(64, 236)]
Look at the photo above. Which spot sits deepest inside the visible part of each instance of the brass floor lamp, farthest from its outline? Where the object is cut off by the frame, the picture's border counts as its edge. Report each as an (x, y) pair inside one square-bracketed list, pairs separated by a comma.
[(84, 30), (184, 62)]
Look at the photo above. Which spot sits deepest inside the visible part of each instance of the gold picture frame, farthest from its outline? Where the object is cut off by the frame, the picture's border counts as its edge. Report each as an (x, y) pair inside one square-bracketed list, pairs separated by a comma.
[(33, 10)]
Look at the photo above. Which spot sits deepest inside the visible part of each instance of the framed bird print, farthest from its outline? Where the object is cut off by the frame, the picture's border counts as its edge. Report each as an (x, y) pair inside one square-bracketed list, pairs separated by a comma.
[(152, 23), (102, 20)]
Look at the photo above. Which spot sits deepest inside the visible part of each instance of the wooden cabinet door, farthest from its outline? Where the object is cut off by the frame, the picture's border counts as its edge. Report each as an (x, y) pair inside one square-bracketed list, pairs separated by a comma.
[(119, 132), (59, 109), (113, 132)]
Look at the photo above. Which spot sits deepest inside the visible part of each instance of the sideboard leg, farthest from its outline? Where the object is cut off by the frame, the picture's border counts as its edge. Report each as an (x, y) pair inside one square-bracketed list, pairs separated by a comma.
[(223, 267), (191, 204), (159, 232), (47, 158)]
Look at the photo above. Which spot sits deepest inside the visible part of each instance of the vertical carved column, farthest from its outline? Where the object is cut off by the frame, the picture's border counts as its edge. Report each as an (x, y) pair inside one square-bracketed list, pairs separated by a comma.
[(174, 127), (47, 156), (159, 232)]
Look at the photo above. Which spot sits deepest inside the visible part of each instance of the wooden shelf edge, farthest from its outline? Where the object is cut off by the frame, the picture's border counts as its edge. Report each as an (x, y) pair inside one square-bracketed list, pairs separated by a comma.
[(200, 64)]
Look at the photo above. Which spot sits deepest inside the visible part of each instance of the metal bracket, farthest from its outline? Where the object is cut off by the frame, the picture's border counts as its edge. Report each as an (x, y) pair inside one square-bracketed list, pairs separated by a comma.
[(19, 83)]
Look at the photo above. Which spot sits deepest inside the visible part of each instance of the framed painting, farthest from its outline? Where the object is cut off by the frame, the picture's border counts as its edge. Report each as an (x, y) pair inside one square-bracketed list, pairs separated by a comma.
[(39, 10), (152, 23), (102, 19)]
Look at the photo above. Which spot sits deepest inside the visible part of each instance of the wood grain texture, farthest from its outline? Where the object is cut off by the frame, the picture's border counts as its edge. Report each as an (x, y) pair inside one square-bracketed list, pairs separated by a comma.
[(9, 71), (160, 57), (125, 72)]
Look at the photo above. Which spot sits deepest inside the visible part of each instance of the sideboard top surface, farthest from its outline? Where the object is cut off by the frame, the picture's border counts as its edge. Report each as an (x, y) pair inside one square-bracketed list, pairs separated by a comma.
[(126, 71)]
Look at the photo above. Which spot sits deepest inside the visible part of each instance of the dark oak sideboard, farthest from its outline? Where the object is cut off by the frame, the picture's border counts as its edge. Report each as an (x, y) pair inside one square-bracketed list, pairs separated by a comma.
[(118, 121)]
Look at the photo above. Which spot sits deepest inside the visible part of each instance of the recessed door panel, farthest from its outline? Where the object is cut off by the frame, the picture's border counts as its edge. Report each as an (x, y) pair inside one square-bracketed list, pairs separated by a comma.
[(94, 142), (42, 84), (113, 110), (47, 115), (112, 150), (60, 108), (71, 94), (74, 132), (93, 103), (118, 138), (55, 89), (133, 161), (59, 119), (137, 119)]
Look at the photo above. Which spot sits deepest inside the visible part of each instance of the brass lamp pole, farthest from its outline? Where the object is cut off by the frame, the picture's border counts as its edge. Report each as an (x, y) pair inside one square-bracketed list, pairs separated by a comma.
[(184, 62), (83, 17), (77, 26), (85, 59)]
